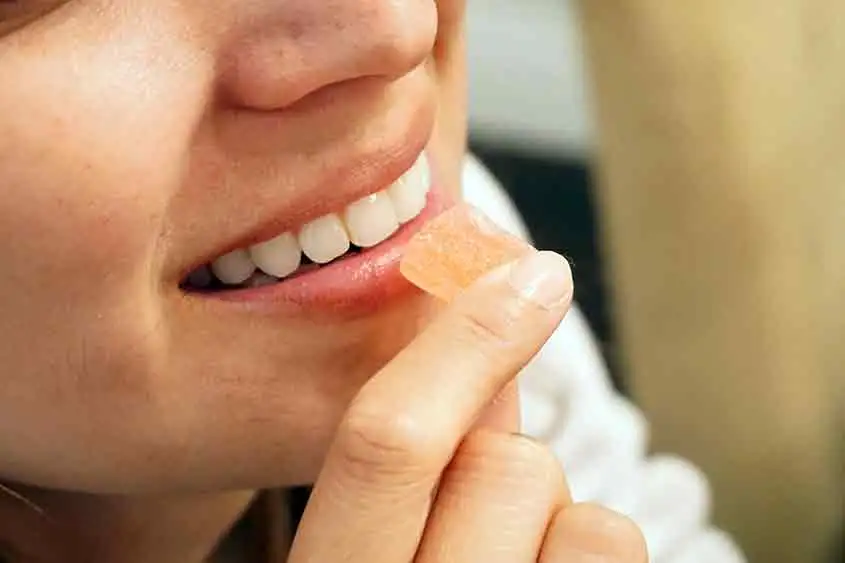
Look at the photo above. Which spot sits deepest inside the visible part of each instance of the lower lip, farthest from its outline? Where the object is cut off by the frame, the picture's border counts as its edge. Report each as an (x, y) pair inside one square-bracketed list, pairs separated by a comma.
[(358, 284)]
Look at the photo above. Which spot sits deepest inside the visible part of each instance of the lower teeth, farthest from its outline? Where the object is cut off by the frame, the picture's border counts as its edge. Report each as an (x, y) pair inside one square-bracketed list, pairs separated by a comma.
[(259, 279)]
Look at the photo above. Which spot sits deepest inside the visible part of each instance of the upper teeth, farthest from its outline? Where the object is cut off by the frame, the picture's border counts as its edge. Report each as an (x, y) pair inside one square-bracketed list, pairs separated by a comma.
[(364, 223)]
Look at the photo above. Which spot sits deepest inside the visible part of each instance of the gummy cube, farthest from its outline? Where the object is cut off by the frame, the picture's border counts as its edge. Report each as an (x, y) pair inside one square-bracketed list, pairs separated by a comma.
[(455, 249)]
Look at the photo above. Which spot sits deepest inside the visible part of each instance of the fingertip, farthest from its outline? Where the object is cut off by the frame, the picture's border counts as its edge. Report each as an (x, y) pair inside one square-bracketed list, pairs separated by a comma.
[(544, 278), (584, 532)]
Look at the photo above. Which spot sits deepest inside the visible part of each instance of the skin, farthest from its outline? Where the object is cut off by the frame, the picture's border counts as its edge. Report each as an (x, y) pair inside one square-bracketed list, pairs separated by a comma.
[(146, 135)]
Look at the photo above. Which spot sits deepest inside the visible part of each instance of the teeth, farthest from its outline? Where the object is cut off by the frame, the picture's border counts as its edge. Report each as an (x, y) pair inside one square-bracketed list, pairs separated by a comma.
[(409, 192), (260, 279), (370, 220), (324, 239), (365, 223), (278, 257), (233, 268)]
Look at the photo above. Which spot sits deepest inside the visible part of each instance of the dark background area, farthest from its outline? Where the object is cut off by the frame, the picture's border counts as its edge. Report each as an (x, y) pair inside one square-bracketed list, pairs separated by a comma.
[(557, 201)]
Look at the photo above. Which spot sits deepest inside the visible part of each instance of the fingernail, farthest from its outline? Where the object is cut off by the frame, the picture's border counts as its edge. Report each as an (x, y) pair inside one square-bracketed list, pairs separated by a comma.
[(543, 278)]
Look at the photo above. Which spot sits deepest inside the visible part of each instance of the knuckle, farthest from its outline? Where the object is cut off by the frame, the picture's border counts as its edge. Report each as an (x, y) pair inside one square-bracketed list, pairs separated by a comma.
[(520, 459), (380, 444), (493, 326), (536, 462)]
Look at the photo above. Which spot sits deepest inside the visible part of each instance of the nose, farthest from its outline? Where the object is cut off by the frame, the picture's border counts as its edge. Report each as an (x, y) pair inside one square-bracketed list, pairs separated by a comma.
[(284, 50)]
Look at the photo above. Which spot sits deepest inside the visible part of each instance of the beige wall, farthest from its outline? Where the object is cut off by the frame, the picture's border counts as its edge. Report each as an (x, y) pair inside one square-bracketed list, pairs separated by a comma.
[(722, 153)]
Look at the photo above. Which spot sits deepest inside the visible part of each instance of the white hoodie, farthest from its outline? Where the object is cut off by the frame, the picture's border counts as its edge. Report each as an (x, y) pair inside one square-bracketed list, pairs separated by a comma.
[(599, 436)]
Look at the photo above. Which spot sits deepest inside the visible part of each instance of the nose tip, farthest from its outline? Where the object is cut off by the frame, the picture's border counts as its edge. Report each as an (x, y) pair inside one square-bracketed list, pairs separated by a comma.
[(311, 44)]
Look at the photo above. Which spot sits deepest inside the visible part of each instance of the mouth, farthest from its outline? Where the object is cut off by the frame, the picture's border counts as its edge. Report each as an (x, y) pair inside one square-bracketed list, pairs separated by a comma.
[(347, 257)]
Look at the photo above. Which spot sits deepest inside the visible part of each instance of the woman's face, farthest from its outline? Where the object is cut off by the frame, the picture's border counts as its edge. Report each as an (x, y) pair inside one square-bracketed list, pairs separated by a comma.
[(141, 139)]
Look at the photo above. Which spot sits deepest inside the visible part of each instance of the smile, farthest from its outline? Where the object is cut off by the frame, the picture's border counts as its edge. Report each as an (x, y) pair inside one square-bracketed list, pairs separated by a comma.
[(330, 255)]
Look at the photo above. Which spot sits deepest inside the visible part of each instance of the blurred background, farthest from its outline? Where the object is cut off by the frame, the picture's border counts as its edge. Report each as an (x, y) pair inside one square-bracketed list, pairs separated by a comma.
[(689, 162)]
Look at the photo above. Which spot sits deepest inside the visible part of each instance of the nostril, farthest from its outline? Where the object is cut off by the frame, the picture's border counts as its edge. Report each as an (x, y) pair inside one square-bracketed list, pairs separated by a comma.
[(260, 78)]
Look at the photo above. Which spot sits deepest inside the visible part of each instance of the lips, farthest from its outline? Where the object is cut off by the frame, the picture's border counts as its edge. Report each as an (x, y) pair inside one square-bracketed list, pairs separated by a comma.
[(362, 224), (346, 257)]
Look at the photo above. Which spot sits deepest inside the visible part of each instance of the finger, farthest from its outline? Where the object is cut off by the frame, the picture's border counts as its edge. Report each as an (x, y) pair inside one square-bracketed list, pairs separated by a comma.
[(503, 413), (495, 502), (372, 498), (586, 533)]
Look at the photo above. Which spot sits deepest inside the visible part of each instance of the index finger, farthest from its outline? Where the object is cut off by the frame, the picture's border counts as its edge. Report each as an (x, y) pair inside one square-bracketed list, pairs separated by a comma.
[(372, 497)]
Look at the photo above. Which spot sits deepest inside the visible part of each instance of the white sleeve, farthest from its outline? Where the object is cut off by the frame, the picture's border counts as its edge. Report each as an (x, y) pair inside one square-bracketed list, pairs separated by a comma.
[(600, 437)]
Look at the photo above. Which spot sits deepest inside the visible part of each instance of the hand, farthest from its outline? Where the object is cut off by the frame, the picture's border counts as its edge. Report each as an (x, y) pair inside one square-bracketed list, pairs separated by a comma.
[(413, 477)]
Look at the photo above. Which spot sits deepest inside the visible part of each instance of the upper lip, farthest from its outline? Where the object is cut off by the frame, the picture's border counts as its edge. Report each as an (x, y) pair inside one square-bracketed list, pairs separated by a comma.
[(349, 181)]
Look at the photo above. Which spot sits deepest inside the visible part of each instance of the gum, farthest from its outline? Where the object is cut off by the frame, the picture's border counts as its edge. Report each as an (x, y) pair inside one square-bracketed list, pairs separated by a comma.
[(455, 249)]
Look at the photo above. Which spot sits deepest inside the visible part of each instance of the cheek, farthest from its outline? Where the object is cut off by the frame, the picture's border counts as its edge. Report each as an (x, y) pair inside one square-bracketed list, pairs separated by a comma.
[(451, 14), (93, 150), (450, 134), (89, 159)]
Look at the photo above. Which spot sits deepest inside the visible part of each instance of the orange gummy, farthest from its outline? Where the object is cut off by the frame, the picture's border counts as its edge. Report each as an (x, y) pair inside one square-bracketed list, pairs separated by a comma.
[(455, 249)]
